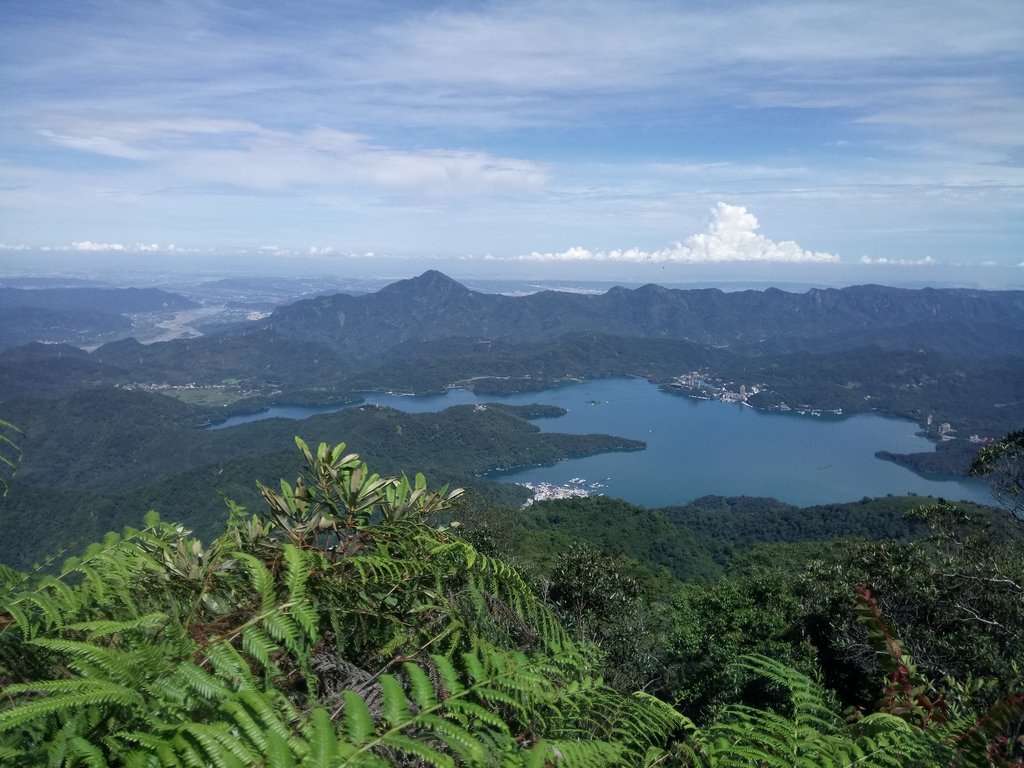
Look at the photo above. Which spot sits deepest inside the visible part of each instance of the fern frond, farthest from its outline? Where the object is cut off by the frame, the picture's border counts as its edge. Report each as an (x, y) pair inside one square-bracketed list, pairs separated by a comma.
[(96, 693), (418, 748), (421, 685), (260, 647), (358, 720), (396, 707), (322, 739), (105, 627), (121, 667)]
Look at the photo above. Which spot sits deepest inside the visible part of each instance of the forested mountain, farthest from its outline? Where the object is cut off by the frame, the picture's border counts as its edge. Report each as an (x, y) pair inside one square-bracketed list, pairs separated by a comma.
[(110, 453), (77, 315), (108, 300), (433, 306), (954, 355)]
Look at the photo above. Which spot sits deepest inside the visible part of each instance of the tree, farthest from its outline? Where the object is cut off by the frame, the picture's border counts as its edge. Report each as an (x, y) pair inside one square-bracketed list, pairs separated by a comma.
[(1002, 465), (10, 454)]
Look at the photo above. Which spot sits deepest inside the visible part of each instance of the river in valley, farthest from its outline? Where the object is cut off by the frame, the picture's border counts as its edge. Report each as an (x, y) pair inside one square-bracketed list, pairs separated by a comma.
[(700, 447)]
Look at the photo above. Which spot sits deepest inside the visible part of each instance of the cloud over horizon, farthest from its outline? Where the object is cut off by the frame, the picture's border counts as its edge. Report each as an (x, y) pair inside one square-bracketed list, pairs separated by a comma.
[(731, 236), (432, 130)]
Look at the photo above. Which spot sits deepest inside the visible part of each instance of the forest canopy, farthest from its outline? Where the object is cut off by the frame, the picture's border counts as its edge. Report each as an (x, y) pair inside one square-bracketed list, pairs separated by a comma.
[(353, 621)]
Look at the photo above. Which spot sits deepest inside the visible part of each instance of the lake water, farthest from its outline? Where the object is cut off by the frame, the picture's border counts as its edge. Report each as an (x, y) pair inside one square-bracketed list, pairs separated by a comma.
[(699, 447)]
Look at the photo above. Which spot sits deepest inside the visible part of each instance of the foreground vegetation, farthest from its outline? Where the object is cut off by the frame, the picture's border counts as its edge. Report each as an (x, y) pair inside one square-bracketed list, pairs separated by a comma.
[(347, 624)]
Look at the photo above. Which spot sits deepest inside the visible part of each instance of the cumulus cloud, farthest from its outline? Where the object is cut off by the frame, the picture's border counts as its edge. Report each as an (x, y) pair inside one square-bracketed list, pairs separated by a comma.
[(86, 245), (731, 236), (925, 262)]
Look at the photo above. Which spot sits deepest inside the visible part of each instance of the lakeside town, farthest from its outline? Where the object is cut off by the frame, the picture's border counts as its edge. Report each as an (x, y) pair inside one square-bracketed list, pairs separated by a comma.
[(702, 385), (574, 488)]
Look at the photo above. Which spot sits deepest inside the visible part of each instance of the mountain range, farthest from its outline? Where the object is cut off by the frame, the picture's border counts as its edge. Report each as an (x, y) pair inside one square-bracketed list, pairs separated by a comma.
[(433, 306), (956, 355)]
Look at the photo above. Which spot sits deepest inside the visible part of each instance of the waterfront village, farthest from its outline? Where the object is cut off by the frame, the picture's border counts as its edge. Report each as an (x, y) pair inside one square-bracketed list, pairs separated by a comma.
[(576, 487), (703, 386)]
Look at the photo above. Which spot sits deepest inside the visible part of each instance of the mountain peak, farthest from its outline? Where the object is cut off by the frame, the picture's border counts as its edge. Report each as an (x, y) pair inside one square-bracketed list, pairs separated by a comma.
[(431, 282)]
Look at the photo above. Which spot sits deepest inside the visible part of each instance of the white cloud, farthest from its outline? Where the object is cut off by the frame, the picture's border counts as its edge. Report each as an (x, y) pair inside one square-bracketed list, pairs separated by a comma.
[(927, 261), (86, 245), (245, 154), (731, 236)]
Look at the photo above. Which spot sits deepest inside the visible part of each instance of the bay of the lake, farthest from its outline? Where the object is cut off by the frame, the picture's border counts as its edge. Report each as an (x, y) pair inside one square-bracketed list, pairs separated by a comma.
[(701, 447)]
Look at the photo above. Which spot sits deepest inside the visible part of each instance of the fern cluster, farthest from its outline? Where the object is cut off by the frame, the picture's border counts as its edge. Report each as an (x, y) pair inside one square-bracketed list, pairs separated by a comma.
[(342, 628)]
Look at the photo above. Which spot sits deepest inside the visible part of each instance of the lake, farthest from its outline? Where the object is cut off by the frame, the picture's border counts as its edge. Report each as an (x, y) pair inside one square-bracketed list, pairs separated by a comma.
[(701, 447)]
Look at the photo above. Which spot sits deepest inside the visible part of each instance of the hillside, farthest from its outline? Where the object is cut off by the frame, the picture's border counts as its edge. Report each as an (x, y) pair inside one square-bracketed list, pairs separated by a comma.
[(78, 315), (108, 300), (433, 306)]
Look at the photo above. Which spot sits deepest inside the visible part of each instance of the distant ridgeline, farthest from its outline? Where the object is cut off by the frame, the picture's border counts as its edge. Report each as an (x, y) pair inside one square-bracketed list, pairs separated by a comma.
[(955, 355), (114, 429), (79, 314)]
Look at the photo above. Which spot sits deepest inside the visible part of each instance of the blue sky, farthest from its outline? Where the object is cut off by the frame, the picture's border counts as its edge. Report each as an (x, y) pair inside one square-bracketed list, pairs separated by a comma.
[(829, 142)]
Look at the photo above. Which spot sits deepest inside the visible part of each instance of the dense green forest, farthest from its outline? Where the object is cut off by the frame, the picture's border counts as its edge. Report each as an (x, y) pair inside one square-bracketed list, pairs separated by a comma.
[(146, 452), (356, 619)]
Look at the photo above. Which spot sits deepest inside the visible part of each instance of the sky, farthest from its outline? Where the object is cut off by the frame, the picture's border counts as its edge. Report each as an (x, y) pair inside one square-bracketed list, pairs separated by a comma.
[(826, 142)]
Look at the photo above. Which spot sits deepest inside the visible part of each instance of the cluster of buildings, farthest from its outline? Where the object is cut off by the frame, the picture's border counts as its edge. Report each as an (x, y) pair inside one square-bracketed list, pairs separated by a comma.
[(575, 488), (701, 385)]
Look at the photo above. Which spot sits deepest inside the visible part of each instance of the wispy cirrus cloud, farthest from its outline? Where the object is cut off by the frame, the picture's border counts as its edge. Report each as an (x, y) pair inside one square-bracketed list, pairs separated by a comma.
[(242, 153)]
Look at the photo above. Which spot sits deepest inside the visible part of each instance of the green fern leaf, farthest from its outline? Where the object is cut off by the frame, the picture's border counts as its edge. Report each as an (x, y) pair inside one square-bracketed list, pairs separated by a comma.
[(421, 685), (307, 618), (229, 665), (297, 568), (218, 746), (323, 741), (105, 628), (420, 749), (262, 581), (396, 706), (83, 752), (264, 712), (277, 754), (198, 680), (471, 712), (450, 682), (259, 646), (281, 627), (455, 737), (241, 717), (99, 692), (358, 721)]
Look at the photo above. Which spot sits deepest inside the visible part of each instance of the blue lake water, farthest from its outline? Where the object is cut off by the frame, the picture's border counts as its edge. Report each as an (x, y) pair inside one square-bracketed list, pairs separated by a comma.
[(699, 447)]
